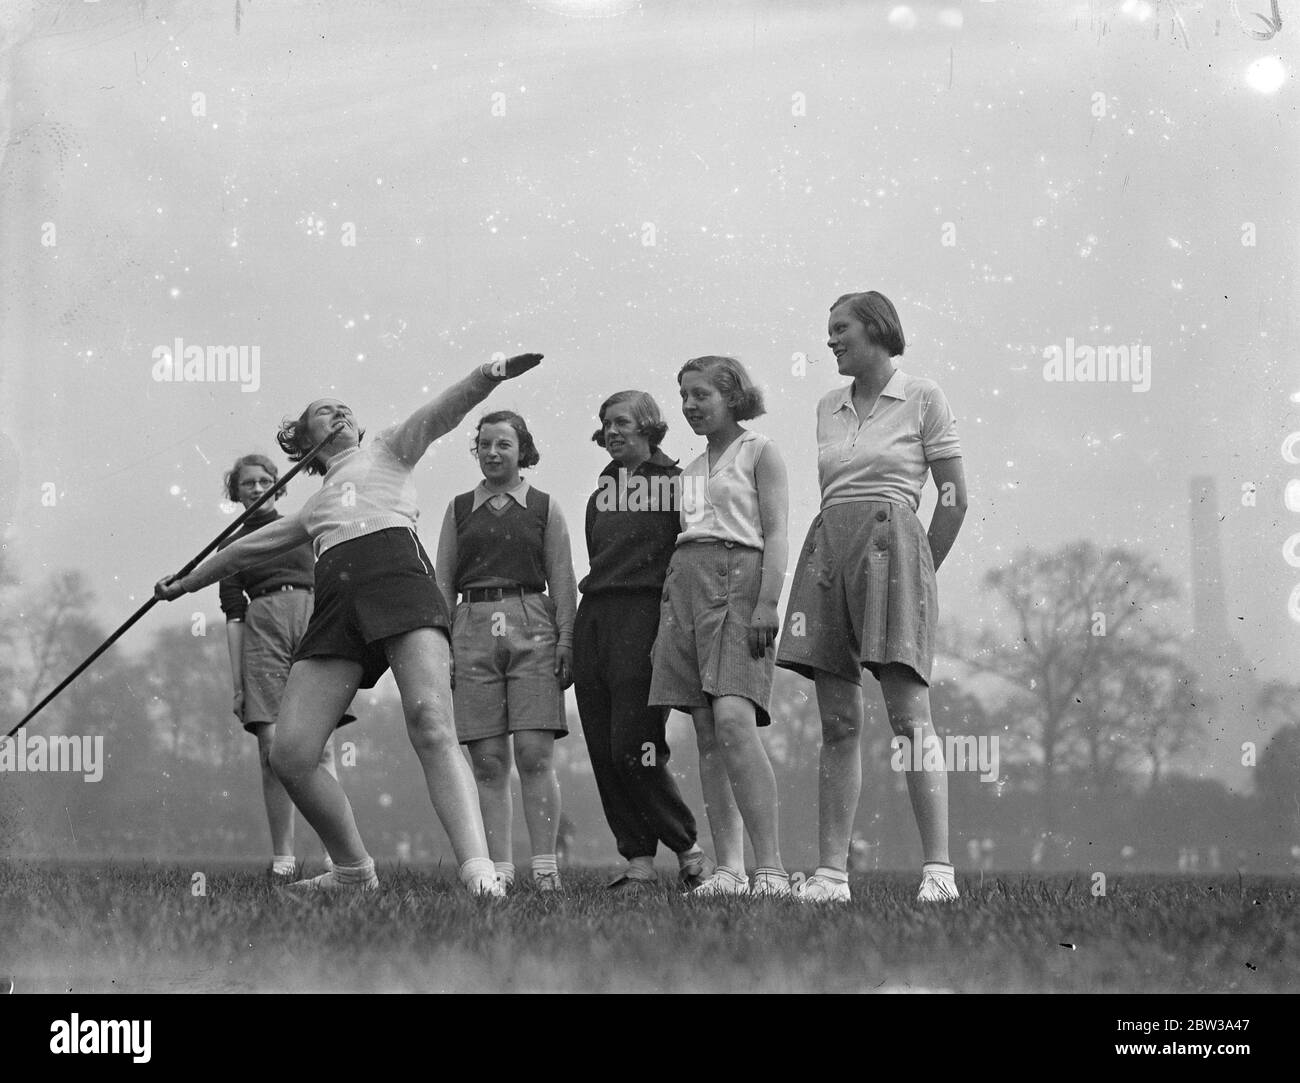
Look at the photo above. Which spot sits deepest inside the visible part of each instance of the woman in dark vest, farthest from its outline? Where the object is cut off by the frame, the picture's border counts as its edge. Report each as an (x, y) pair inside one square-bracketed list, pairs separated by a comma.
[(632, 526), (503, 544)]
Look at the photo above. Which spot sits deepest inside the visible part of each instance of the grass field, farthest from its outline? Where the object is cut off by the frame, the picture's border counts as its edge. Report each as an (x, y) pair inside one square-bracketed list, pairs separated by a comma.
[(139, 928)]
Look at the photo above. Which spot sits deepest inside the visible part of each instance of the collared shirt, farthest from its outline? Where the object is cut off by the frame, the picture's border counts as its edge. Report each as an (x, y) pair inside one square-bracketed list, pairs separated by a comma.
[(887, 454), (557, 557), (498, 497)]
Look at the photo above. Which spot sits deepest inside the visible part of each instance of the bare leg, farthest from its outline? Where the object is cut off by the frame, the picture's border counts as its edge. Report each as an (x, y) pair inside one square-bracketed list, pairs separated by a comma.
[(490, 759), (279, 805), (420, 660), (534, 751), (840, 783), (327, 758), (719, 803), (315, 696), (752, 779), (907, 699)]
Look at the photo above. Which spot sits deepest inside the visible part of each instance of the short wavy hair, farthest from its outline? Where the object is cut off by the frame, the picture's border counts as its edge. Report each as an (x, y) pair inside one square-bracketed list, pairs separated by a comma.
[(528, 453), (728, 375), (294, 442), (877, 314), (650, 422), (230, 480)]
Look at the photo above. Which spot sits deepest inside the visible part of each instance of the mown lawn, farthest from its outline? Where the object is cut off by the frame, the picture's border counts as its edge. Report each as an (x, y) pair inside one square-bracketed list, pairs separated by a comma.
[(140, 928)]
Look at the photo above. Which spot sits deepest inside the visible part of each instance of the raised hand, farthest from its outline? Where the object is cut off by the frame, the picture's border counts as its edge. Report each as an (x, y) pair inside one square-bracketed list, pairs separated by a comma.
[(514, 366)]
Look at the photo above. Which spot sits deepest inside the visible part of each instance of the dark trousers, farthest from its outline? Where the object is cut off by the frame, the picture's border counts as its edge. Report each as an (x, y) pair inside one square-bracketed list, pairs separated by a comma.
[(612, 637)]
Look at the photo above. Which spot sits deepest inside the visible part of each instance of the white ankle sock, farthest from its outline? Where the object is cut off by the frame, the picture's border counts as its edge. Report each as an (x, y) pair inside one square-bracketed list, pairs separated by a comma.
[(544, 864), (938, 868), (283, 864), (505, 871), (686, 857), (476, 869), (642, 868), (357, 873), (827, 873)]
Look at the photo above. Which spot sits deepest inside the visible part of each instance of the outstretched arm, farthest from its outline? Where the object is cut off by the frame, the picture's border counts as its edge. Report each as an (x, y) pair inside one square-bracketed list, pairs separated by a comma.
[(272, 540), (410, 439)]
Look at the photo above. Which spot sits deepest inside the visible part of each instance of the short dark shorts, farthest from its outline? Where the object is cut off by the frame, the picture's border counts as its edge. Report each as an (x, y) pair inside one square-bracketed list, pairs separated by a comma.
[(368, 589)]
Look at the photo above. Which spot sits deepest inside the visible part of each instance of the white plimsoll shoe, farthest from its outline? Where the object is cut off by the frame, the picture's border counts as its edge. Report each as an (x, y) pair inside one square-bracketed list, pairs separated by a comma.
[(770, 884), (820, 889), (326, 883), (489, 887), (721, 882), (547, 881), (936, 888)]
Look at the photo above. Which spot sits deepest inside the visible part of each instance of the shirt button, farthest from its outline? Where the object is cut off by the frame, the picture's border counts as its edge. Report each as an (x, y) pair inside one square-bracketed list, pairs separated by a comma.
[(881, 516)]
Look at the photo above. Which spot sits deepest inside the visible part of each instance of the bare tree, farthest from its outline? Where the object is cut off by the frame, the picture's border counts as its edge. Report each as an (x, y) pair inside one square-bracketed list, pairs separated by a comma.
[(1076, 613)]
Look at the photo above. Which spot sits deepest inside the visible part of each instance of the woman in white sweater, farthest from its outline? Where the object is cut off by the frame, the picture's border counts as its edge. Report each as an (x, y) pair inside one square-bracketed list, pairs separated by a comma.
[(377, 605)]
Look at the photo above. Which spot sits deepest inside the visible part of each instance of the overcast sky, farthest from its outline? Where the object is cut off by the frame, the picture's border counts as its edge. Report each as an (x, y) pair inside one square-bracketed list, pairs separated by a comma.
[(623, 186)]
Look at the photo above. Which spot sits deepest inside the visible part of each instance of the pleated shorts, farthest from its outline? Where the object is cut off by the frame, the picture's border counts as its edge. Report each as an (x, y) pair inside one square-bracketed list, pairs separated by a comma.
[(505, 668), (273, 627), (864, 594), (702, 648)]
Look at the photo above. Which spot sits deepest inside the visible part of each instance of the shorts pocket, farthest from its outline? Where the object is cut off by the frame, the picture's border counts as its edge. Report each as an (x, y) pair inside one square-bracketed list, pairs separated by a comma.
[(876, 616)]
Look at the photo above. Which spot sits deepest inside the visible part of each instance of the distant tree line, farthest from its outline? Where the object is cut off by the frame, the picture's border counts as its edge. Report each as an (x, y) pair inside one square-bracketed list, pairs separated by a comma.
[(1075, 669)]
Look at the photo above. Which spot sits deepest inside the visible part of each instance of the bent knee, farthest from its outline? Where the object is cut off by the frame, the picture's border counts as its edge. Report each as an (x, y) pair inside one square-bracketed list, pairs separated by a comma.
[(838, 728), (906, 725), (534, 757), (706, 738), (734, 727), (490, 767), (289, 759)]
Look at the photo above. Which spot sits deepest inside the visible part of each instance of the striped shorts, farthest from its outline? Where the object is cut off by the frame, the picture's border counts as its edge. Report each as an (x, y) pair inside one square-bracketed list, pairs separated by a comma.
[(702, 649), (864, 594)]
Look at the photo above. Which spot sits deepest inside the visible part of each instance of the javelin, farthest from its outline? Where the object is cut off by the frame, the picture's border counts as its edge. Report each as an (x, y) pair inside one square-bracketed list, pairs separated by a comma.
[(183, 572)]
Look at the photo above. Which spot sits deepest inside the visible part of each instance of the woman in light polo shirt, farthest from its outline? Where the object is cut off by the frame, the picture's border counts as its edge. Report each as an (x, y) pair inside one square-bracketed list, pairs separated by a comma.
[(864, 594)]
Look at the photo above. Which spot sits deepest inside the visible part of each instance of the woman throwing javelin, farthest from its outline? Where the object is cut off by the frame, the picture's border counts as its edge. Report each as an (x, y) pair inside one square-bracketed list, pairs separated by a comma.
[(377, 605), (864, 593)]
